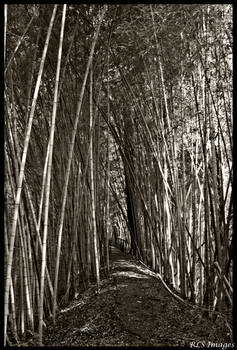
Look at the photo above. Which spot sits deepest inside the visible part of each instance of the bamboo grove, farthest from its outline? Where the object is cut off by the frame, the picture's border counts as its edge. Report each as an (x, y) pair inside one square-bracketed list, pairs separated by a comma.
[(115, 116)]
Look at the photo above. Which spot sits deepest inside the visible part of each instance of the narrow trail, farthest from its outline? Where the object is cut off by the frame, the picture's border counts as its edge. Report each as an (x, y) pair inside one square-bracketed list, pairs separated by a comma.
[(132, 308)]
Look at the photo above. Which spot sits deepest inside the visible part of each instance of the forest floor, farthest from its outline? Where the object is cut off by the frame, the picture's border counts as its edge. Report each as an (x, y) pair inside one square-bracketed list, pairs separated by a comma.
[(132, 308)]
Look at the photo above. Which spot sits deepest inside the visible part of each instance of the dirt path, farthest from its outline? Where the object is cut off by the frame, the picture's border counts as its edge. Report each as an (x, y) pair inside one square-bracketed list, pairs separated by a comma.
[(132, 308)]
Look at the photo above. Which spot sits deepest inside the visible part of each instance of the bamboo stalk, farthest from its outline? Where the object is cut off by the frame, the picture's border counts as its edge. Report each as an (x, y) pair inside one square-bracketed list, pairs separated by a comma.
[(93, 205), (21, 176), (70, 160), (5, 30), (49, 167)]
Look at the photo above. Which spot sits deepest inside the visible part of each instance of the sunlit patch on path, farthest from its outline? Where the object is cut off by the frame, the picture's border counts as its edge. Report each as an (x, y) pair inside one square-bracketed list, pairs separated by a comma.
[(132, 308)]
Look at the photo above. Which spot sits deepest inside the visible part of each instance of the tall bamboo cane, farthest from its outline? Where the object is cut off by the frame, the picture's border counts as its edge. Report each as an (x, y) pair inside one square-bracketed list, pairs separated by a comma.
[(49, 168), (5, 29), (70, 161), (93, 206), (21, 176)]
